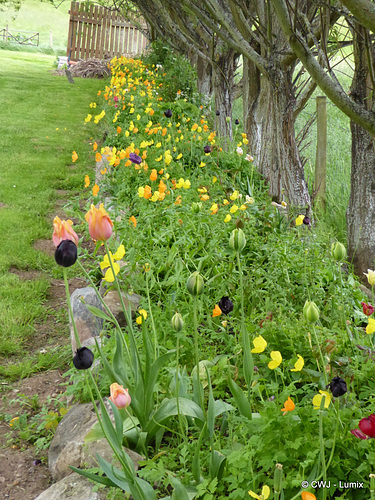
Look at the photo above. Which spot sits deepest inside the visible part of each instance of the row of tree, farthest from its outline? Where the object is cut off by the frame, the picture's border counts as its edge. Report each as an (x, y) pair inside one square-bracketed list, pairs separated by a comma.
[(274, 36)]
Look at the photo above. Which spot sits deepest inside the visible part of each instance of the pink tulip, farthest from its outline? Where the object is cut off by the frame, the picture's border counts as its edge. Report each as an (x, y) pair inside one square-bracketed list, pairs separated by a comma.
[(367, 308), (62, 230), (100, 225), (120, 396)]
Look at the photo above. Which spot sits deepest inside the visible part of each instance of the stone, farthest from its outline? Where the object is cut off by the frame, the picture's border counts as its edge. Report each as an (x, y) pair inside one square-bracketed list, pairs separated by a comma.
[(88, 325), (112, 300), (73, 487), (68, 446)]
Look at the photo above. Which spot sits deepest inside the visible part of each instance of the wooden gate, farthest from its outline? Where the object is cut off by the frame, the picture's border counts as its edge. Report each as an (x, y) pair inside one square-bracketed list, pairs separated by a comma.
[(96, 32)]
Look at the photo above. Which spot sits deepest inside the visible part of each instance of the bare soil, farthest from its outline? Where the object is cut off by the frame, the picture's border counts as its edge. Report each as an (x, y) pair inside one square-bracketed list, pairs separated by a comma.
[(24, 474)]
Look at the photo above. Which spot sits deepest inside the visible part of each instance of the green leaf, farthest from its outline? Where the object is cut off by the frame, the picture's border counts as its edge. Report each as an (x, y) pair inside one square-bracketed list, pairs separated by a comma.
[(119, 364), (168, 408), (115, 475), (221, 406), (217, 465), (118, 422), (99, 313), (240, 398), (108, 368), (179, 491), (195, 466), (95, 434), (152, 379), (94, 477)]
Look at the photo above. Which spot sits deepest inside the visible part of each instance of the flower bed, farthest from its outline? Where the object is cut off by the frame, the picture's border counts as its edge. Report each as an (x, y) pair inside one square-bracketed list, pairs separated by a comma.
[(249, 349)]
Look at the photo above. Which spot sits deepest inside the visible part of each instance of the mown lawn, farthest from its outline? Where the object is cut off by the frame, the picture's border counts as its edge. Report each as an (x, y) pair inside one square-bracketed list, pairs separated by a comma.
[(41, 124)]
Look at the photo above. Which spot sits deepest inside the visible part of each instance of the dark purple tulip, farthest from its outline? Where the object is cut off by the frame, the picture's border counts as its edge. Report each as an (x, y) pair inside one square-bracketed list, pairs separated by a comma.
[(217, 113), (135, 158), (83, 358), (307, 221), (226, 305), (207, 149), (66, 253), (338, 387), (168, 113), (237, 121)]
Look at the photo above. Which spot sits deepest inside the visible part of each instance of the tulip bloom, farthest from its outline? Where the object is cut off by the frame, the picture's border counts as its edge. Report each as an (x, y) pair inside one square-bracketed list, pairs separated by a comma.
[(120, 397), (83, 358), (100, 225), (226, 305), (338, 387), (367, 308), (370, 277), (62, 230)]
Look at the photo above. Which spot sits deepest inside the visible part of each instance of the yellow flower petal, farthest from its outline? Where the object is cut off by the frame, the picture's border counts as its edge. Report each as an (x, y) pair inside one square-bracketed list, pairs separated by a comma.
[(299, 220), (298, 365), (318, 399), (259, 344), (370, 328), (276, 360), (120, 252)]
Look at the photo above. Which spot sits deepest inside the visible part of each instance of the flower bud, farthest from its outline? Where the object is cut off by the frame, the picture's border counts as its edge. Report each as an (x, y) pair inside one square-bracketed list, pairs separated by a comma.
[(338, 387), (310, 312), (196, 207), (227, 119), (226, 305), (168, 113), (338, 251), (278, 478), (83, 358), (177, 322), (66, 253), (195, 284), (237, 240), (120, 397)]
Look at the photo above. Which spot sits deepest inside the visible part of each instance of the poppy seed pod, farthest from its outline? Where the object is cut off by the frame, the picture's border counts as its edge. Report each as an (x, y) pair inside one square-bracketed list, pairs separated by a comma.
[(83, 358), (338, 251), (338, 387), (310, 312), (177, 322), (168, 113), (237, 240), (66, 253), (226, 305), (195, 284)]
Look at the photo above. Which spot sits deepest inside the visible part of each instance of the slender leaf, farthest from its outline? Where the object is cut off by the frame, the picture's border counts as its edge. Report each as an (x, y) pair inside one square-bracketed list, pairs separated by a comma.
[(115, 475), (151, 380), (179, 490), (217, 465), (196, 468), (240, 398), (99, 313), (111, 374), (221, 407), (118, 422), (94, 477)]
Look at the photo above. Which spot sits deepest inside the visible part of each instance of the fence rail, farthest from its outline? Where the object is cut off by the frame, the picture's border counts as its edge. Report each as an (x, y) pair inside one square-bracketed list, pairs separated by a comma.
[(20, 37), (96, 32)]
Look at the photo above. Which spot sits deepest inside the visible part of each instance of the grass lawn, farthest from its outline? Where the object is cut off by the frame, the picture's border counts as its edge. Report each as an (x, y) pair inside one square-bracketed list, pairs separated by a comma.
[(42, 123)]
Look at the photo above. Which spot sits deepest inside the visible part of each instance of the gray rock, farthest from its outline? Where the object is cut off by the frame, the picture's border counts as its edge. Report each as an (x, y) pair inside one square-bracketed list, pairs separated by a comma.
[(88, 325), (112, 300), (68, 446), (73, 487)]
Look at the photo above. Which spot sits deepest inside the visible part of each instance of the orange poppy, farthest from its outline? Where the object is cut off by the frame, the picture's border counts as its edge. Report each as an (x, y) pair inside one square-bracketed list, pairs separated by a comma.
[(288, 406)]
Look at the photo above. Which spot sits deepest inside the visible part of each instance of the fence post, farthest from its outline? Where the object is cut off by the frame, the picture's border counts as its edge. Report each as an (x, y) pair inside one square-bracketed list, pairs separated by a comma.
[(6, 34), (321, 150), (50, 39)]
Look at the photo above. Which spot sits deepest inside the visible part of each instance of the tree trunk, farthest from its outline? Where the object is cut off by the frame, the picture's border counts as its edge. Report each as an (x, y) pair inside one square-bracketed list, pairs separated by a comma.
[(223, 81), (204, 73), (360, 214), (270, 127)]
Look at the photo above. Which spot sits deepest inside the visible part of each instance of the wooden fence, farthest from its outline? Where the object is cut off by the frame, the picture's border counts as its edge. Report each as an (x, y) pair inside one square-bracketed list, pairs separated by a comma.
[(96, 32)]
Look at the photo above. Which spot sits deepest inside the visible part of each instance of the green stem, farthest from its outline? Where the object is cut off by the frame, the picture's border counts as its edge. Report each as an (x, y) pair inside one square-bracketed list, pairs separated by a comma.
[(321, 440), (196, 349), (107, 309), (156, 347), (76, 336), (321, 355)]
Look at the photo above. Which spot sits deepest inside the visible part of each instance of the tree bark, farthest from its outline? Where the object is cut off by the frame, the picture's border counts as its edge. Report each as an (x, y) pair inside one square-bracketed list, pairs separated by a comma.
[(223, 82), (204, 73), (360, 215), (269, 112)]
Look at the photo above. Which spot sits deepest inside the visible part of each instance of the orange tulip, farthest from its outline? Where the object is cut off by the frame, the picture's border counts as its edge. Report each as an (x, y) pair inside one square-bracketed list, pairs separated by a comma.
[(62, 230), (100, 225), (119, 396)]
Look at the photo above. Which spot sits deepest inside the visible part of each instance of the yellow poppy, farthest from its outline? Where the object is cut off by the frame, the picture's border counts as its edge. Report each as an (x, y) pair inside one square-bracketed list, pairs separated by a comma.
[(276, 360), (298, 364), (259, 344)]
